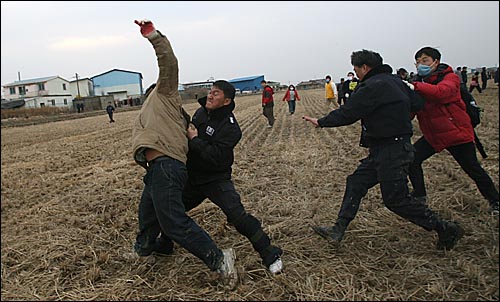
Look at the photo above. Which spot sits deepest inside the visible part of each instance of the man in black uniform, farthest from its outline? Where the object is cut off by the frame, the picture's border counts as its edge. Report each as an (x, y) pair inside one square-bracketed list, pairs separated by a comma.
[(383, 103), (213, 134)]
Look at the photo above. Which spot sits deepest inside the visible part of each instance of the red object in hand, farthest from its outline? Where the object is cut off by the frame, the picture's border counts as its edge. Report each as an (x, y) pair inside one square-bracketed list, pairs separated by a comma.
[(146, 27)]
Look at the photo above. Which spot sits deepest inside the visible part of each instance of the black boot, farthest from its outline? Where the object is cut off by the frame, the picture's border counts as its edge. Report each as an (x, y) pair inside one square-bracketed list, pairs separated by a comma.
[(335, 233), (448, 235)]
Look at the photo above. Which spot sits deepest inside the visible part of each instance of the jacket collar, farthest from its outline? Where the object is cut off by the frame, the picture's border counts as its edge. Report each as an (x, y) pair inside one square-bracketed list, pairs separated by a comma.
[(384, 68), (219, 112)]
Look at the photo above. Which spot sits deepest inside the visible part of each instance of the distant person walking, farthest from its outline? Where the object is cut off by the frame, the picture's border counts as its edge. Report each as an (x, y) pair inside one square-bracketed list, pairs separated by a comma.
[(110, 109), (330, 91), (340, 90), (464, 75), (291, 96), (267, 103), (484, 78), (474, 82), (349, 85), (458, 72)]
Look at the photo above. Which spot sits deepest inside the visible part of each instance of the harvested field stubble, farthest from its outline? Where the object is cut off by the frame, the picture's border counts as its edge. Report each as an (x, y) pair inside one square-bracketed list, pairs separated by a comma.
[(70, 191)]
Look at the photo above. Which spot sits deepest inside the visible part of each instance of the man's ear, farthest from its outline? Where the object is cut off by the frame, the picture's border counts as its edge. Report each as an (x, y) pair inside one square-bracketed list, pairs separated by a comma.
[(227, 101)]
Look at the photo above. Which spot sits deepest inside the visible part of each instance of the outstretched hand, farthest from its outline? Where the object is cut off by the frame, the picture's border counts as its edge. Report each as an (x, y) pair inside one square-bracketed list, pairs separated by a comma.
[(147, 27), (311, 120)]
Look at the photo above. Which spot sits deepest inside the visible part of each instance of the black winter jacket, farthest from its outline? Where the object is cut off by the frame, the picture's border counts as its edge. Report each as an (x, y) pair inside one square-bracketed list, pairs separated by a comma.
[(382, 102), (210, 155)]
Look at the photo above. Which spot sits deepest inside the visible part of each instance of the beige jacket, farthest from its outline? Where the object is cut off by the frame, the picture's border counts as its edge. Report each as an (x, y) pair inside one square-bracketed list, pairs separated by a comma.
[(162, 122)]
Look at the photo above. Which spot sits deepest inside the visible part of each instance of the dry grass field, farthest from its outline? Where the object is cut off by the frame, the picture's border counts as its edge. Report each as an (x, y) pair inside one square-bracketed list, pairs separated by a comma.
[(70, 190)]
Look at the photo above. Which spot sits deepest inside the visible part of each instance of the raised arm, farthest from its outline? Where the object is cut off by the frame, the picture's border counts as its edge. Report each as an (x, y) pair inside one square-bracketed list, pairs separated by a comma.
[(168, 79)]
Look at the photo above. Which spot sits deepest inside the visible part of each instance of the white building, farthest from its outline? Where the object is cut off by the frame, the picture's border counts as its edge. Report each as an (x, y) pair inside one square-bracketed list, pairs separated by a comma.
[(41, 92), (82, 88)]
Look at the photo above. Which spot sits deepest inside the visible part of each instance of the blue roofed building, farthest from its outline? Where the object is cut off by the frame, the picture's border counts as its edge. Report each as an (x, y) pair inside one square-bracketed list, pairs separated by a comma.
[(247, 83), (121, 84)]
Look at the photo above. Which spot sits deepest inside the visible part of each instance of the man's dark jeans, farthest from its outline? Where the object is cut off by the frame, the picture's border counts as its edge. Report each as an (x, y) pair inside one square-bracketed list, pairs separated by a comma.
[(161, 210), (465, 156), (388, 165), (224, 195)]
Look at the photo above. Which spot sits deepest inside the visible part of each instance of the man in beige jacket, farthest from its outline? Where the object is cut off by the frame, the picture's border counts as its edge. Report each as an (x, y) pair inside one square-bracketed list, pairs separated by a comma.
[(160, 145)]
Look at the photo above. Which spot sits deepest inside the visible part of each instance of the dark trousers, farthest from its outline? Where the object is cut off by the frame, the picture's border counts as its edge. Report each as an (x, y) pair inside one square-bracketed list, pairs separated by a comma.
[(472, 88), (484, 84), (161, 210), (388, 165), (341, 98), (465, 156), (267, 110), (291, 106), (111, 120), (224, 195)]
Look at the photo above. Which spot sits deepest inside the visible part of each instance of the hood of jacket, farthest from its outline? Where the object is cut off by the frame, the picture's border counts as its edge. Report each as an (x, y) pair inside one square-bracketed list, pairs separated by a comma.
[(384, 68)]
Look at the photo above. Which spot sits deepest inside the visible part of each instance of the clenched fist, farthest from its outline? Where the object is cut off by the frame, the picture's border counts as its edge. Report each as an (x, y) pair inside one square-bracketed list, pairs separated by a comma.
[(146, 27)]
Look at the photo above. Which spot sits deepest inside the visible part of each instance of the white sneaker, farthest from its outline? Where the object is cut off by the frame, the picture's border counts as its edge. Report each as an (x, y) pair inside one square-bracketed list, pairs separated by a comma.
[(269, 126), (227, 271), (276, 267)]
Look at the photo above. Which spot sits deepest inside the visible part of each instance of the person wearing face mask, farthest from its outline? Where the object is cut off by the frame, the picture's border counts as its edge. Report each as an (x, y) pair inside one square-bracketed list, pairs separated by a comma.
[(445, 124), (349, 85), (383, 103), (291, 96), (330, 91)]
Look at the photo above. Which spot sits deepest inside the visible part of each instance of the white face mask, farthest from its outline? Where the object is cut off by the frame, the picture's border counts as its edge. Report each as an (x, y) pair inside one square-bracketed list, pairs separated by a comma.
[(349, 78)]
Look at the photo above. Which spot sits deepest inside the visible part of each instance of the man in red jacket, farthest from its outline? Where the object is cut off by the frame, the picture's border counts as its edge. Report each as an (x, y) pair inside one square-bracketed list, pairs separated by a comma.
[(267, 103), (445, 124)]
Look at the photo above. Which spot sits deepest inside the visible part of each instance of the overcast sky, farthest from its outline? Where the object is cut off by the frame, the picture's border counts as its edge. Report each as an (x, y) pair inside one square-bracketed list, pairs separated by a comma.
[(285, 41)]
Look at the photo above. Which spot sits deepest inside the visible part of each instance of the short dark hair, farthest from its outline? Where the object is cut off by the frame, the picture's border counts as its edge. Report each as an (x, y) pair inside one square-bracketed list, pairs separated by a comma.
[(150, 88), (370, 58), (430, 51), (402, 70), (459, 68), (328, 77), (263, 81), (226, 87)]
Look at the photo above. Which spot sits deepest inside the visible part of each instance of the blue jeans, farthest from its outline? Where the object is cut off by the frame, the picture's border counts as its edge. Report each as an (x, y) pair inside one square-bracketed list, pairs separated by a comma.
[(161, 210), (291, 106)]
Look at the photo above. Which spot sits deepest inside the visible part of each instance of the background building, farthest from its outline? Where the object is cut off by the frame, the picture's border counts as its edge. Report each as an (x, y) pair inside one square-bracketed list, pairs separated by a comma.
[(121, 84), (40, 92), (311, 84), (248, 83), (82, 88)]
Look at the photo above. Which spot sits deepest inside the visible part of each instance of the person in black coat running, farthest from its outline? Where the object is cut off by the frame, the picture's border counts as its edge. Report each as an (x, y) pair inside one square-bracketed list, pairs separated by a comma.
[(383, 103)]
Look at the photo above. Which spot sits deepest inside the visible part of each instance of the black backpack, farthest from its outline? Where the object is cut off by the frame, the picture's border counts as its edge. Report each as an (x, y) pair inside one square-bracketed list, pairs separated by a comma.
[(473, 110)]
